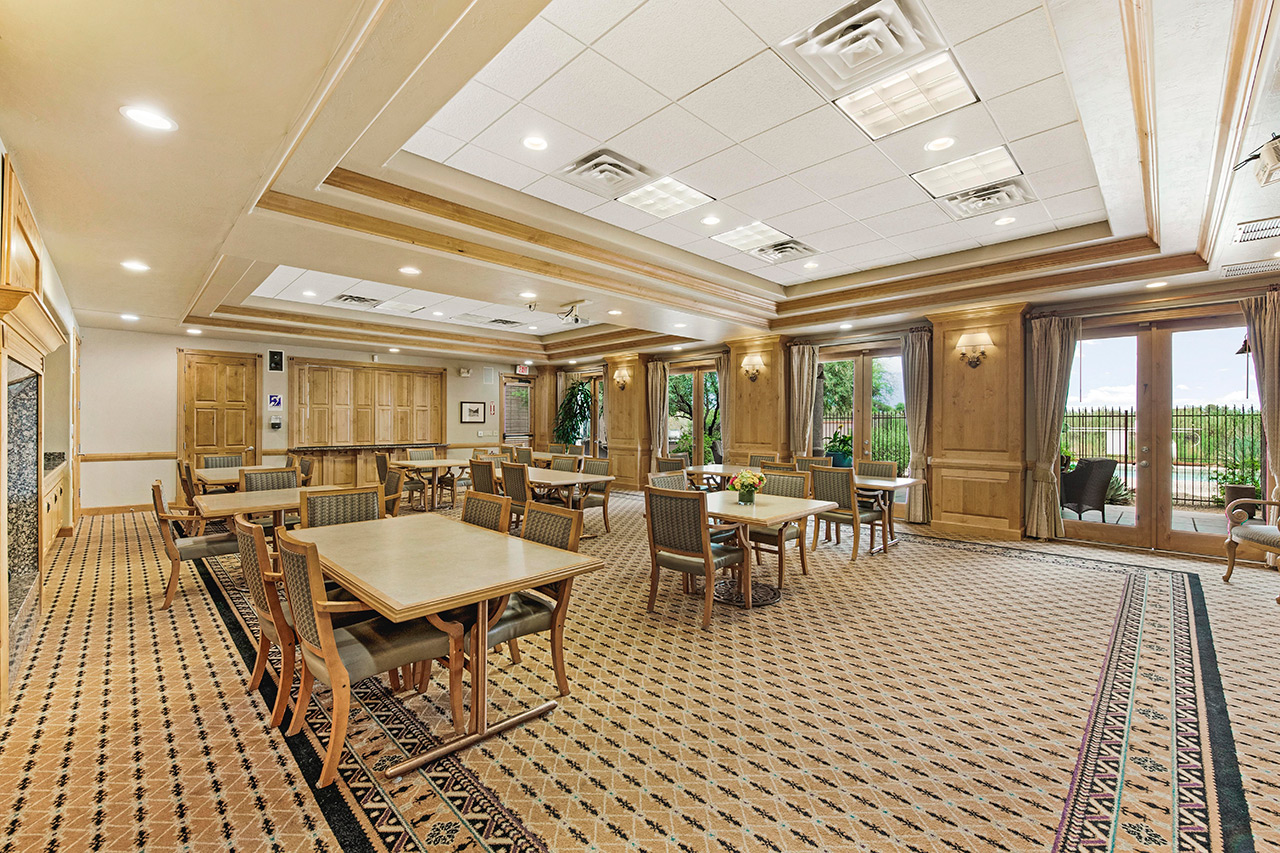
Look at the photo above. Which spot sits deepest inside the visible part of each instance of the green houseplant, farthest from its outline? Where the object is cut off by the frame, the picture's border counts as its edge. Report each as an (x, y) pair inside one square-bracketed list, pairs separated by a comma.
[(574, 413), (840, 448)]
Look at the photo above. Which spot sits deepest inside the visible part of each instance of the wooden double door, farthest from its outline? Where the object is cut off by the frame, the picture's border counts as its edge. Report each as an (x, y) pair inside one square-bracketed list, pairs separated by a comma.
[(220, 395)]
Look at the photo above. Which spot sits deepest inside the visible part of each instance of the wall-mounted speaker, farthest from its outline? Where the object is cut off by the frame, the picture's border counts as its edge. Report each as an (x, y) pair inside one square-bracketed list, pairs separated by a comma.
[(275, 361)]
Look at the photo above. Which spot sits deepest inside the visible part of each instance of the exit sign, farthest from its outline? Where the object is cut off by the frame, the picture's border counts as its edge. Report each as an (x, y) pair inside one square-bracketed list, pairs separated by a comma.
[(522, 369)]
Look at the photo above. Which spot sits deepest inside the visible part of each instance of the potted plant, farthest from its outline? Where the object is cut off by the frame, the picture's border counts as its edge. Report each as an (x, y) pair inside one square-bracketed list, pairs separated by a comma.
[(840, 448), (1240, 475), (574, 413), (745, 483)]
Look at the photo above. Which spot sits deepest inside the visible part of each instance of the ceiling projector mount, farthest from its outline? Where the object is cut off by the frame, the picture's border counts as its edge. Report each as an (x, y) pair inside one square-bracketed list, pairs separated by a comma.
[(1268, 156), (569, 315)]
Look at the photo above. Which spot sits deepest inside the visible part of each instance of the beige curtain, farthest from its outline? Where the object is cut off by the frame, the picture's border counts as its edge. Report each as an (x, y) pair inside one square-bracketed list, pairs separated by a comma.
[(722, 383), (1262, 317), (804, 387), (658, 375), (1053, 349), (917, 366)]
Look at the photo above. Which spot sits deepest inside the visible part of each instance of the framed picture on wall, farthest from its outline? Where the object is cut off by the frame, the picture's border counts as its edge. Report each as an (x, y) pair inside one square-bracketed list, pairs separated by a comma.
[(472, 413)]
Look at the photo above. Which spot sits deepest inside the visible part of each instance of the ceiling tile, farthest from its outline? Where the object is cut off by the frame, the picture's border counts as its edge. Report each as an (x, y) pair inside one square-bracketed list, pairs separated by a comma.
[(808, 139), (1063, 179), (811, 219), (669, 140), (882, 198), (376, 290), (1033, 109), (841, 237), (745, 262), (538, 51), (920, 241), (622, 215), (1005, 236), (971, 127), (849, 172), (432, 144), (774, 21), (1010, 56), (777, 276), (474, 108), (727, 172), (824, 265), (506, 137), (708, 248), (937, 249), (559, 192), (277, 280), (908, 219), (455, 305), (1051, 148), (1025, 217), (1076, 203), (421, 298), (730, 218), (324, 285), (678, 45), (759, 94), (868, 254), (666, 233), (492, 167), (1065, 222), (963, 19), (781, 196), (595, 97), (587, 20)]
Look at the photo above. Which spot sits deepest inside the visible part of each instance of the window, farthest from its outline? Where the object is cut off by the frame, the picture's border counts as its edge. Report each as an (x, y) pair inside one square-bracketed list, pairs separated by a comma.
[(516, 419)]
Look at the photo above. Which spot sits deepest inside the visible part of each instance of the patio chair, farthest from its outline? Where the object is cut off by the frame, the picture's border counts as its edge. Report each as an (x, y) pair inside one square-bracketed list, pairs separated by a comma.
[(1084, 488), (1264, 536)]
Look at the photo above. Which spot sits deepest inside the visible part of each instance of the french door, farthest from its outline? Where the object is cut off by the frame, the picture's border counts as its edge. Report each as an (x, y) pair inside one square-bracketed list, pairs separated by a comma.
[(693, 414), (862, 396)]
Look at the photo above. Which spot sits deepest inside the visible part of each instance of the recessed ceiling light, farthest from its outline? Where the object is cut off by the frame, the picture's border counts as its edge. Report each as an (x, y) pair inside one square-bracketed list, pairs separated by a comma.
[(148, 118), (195, 331), (535, 143), (844, 327), (1006, 220), (983, 168), (394, 349), (1156, 284), (665, 197), (930, 89), (135, 266), (753, 236), (528, 294), (528, 362), (410, 270), (131, 318), (309, 293), (677, 348), (615, 312), (573, 361), (437, 313), (681, 325), (711, 220), (942, 143), (533, 328), (1276, 255), (812, 265)]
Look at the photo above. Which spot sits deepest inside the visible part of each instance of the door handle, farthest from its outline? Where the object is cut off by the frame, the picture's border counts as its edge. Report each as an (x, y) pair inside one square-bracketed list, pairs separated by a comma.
[(1144, 464)]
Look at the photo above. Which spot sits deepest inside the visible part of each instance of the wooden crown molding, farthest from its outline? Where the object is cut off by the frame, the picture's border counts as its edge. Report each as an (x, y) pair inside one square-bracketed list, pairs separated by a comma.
[(1135, 22)]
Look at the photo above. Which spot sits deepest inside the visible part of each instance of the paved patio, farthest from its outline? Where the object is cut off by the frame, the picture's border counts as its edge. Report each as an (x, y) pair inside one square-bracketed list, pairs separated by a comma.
[(1193, 520)]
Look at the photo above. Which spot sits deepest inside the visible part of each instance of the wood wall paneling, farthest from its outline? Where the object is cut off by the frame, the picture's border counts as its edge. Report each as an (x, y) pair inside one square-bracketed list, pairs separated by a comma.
[(756, 416), (342, 403), (628, 416)]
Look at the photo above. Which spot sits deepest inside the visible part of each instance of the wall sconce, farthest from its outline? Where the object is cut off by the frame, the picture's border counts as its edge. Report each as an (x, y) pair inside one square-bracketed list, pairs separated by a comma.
[(973, 347), (752, 365), (621, 377)]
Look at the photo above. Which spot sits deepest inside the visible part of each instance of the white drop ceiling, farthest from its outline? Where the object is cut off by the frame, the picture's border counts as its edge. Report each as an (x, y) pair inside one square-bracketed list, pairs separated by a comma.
[(698, 90)]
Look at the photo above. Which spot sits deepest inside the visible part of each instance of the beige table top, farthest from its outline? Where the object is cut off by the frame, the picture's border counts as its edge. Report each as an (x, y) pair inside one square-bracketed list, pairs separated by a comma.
[(886, 484), (225, 504), (720, 470), (547, 477), (415, 565), (767, 510), (225, 476), (428, 464)]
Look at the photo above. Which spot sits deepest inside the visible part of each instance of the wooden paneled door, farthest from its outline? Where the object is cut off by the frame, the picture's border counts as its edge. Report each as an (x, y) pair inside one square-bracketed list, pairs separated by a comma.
[(218, 404)]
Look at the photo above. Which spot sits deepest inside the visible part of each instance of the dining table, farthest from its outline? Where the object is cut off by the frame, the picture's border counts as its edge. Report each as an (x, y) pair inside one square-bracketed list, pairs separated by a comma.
[(407, 567), (765, 511), (275, 501), (888, 486), (564, 480), (718, 474), (435, 466), (224, 476)]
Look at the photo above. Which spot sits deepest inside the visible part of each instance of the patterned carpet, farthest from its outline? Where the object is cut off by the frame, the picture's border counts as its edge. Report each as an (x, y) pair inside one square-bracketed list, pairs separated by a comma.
[(948, 696)]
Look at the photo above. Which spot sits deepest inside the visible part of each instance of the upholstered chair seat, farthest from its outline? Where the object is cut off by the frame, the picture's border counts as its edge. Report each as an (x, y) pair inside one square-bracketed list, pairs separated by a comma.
[(722, 555)]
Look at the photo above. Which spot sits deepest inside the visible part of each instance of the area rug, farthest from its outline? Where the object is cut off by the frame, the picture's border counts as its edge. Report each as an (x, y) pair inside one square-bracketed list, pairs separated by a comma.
[(945, 696)]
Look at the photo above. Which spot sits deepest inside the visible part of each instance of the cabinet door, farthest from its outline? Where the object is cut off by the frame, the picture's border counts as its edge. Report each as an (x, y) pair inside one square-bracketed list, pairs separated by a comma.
[(426, 403), (404, 408), (340, 411), (362, 406), (384, 407), (319, 396), (20, 255)]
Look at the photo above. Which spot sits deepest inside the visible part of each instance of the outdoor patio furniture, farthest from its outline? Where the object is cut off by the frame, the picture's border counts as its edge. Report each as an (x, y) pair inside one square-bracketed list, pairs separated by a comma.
[(1264, 536), (1084, 487)]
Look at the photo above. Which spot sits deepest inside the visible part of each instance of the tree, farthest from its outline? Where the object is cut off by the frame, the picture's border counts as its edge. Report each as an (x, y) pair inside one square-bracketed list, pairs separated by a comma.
[(680, 402), (838, 387)]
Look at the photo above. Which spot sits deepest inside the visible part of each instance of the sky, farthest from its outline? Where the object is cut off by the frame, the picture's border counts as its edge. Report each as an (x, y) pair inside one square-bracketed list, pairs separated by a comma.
[(1205, 370)]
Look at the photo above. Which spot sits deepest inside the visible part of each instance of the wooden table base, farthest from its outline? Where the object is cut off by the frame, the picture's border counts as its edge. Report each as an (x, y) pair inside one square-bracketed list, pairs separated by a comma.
[(465, 741), (728, 591)]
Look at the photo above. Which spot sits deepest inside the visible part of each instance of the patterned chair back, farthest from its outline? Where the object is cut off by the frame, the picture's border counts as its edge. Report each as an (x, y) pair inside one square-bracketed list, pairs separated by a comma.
[(683, 457), (484, 510), (422, 454), (265, 479), (524, 455), (677, 480), (833, 484), (291, 460), (597, 468), (777, 466), (670, 463), (515, 482), (677, 520), (557, 526), (557, 448), (757, 459), (786, 484), (565, 463), (383, 461), (305, 466), (342, 506), (479, 453), (168, 530), (577, 449), (878, 468), (187, 481), (392, 486), (509, 451), (804, 463), (232, 460), (253, 551), (304, 586), (482, 479)]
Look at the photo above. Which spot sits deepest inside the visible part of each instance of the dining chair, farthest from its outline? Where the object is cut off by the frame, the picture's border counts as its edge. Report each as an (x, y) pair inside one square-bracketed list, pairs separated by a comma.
[(482, 478), (515, 485), (596, 494), (680, 539), (489, 511), (392, 491), (757, 459), (341, 506), (274, 622), (670, 463), (566, 462), (683, 457), (773, 539), (416, 482), (669, 480), (480, 453), (306, 467), (187, 483), (342, 656), (877, 500), (778, 466), (804, 463), (266, 479), (838, 486), (556, 448), (577, 449), (524, 455), (226, 460), (180, 548), (291, 460)]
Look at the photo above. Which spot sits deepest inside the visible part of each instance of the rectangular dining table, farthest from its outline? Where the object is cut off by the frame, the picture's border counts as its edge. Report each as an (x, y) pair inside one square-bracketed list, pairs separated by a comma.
[(718, 473), (274, 501), (435, 466), (224, 476), (417, 565), (547, 479), (888, 485)]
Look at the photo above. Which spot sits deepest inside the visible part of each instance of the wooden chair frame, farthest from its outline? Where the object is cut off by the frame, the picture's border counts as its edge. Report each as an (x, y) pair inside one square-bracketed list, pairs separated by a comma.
[(272, 580), (780, 546), (754, 459), (882, 501), (854, 521), (503, 501), (557, 592), (608, 491), (187, 516)]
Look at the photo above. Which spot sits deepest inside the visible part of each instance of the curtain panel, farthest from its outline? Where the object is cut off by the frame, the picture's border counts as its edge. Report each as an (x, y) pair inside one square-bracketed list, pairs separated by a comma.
[(1053, 349), (804, 388), (658, 376), (917, 373), (1262, 317), (722, 383)]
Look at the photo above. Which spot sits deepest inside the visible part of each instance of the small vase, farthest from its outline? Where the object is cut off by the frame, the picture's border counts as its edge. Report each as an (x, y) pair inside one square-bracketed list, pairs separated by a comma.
[(746, 496)]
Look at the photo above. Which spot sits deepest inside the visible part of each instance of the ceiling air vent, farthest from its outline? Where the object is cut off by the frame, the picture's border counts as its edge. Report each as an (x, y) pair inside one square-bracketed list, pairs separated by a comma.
[(1251, 268), (351, 300), (481, 320), (1259, 229), (862, 42), (989, 198), (787, 250), (606, 173)]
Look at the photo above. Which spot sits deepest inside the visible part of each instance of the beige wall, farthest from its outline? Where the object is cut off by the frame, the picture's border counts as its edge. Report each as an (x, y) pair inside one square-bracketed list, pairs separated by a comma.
[(129, 404)]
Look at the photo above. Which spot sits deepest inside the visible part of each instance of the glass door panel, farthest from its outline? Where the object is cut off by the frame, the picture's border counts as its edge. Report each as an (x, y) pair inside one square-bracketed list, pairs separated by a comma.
[(889, 416), (712, 449)]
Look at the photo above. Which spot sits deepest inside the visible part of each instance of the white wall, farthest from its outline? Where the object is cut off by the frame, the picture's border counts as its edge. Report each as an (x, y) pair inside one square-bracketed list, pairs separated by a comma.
[(129, 403)]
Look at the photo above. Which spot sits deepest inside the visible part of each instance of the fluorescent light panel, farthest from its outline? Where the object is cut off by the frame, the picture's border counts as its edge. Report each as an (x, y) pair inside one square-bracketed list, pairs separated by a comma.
[(752, 236), (986, 167), (901, 100), (665, 197)]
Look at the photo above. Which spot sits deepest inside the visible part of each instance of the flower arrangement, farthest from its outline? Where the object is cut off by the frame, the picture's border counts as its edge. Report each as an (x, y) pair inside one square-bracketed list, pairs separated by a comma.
[(745, 483)]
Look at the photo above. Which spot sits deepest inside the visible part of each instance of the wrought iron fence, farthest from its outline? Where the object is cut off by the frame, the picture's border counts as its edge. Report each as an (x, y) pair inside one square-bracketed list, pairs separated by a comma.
[(888, 433), (1212, 446)]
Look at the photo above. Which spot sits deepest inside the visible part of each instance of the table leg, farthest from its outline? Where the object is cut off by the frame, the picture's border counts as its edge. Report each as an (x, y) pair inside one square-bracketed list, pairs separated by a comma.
[(887, 535), (435, 489), (746, 569)]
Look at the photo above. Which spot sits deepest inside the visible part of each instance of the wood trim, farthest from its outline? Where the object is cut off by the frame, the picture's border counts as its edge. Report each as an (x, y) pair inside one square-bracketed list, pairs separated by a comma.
[(337, 217), (66, 532), (334, 362), (142, 456), (114, 510), (625, 346), (1135, 22), (390, 193)]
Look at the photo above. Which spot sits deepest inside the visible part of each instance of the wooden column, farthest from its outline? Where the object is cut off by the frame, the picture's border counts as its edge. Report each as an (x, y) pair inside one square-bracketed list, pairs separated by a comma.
[(544, 408), (757, 411), (629, 445), (977, 430)]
